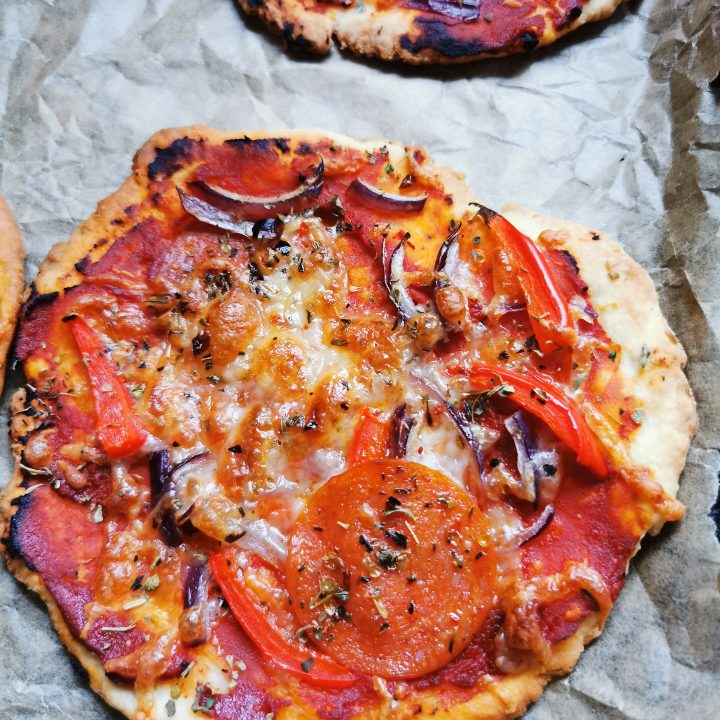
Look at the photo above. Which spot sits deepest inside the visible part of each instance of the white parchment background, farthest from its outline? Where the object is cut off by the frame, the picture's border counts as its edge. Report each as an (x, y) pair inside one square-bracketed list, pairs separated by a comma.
[(616, 127)]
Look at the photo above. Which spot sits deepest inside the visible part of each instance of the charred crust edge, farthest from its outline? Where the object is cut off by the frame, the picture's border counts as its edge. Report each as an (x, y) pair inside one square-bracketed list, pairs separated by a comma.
[(36, 299), (437, 36), (12, 541), (295, 40), (168, 160)]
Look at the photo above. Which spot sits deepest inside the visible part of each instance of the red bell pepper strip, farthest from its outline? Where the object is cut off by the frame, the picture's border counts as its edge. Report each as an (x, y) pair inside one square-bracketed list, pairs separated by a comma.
[(561, 414), (118, 427), (292, 657), (371, 440), (548, 309)]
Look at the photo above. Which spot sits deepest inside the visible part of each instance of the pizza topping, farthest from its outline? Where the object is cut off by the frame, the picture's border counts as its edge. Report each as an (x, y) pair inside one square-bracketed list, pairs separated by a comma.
[(387, 201), (226, 219), (533, 530), (309, 188), (521, 642), (549, 312), (448, 555), (371, 439), (118, 429), (532, 463), (560, 413), (463, 425), (194, 624), (401, 427), (322, 443), (288, 654), (394, 274), (449, 298)]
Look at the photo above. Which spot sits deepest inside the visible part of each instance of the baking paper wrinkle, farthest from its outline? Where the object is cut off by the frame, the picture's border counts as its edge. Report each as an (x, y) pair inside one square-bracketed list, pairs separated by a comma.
[(614, 127)]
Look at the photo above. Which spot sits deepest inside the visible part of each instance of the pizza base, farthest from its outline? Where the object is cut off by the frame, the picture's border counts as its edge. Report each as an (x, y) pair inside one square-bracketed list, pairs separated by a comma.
[(12, 256), (369, 32), (629, 310)]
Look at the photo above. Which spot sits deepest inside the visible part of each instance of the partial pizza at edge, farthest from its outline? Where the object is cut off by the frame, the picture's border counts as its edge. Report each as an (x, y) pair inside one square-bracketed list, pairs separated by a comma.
[(296, 318), (12, 255), (421, 32)]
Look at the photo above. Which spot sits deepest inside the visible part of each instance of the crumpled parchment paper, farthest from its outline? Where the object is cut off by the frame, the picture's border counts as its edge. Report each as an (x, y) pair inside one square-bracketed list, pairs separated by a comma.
[(615, 126)]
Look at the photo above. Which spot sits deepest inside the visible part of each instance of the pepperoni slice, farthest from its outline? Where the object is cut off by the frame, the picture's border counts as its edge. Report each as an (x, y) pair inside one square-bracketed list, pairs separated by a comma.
[(390, 569)]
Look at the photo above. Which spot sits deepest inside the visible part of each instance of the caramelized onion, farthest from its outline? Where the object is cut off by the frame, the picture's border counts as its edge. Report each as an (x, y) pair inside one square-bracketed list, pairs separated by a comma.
[(388, 201), (267, 229), (309, 188)]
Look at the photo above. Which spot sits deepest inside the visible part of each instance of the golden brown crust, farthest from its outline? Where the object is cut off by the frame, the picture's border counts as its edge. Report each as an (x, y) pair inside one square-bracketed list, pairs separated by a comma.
[(12, 256), (629, 310), (405, 34)]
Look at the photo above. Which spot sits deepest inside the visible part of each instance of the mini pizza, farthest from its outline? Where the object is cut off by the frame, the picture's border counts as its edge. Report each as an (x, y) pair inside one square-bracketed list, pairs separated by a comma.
[(426, 31), (12, 255), (308, 432)]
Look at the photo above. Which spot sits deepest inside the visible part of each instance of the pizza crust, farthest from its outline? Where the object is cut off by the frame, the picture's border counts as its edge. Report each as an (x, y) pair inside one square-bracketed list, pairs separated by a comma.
[(391, 34), (12, 256), (628, 308)]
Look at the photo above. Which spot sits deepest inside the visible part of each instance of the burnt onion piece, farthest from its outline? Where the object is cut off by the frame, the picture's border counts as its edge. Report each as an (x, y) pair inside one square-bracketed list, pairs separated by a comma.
[(543, 520), (162, 488), (401, 427), (462, 424), (388, 201), (394, 277), (160, 472), (309, 188), (194, 623), (268, 229)]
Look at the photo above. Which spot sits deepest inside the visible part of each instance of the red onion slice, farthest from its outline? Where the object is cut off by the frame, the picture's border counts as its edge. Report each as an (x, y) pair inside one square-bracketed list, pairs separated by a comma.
[(160, 471), (194, 623), (225, 220), (533, 461), (464, 10), (401, 427), (388, 201), (163, 489), (524, 447), (447, 257), (394, 276), (196, 585), (267, 541), (462, 424), (532, 531), (309, 188), (446, 264)]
